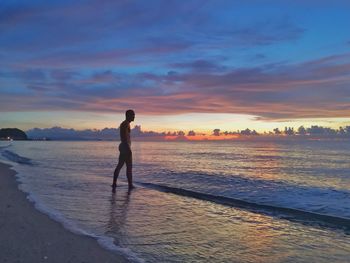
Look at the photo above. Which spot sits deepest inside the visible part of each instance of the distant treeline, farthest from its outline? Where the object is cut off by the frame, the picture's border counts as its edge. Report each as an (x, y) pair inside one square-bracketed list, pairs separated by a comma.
[(59, 133), (314, 130)]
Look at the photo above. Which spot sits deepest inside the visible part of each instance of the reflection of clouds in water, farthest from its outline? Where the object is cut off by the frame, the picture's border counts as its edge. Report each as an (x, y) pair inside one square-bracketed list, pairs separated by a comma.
[(160, 226)]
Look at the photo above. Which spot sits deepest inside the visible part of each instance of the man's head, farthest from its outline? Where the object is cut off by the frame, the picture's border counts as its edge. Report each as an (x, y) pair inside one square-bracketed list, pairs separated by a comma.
[(130, 115)]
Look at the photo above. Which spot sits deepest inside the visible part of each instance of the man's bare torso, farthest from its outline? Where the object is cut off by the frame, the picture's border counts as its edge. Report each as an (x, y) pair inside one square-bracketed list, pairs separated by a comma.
[(125, 132)]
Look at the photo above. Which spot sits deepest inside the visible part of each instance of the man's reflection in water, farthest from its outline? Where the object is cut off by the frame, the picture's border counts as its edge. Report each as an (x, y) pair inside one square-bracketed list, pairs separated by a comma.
[(118, 214)]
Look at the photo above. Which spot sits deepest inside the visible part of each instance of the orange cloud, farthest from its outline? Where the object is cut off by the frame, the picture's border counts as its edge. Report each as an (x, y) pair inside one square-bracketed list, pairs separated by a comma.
[(202, 137)]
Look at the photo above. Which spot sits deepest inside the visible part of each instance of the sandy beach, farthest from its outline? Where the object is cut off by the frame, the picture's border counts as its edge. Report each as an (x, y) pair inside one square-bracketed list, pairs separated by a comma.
[(30, 236)]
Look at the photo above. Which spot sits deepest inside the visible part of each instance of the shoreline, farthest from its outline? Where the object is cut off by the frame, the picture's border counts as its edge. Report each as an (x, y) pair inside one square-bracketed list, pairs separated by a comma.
[(28, 235)]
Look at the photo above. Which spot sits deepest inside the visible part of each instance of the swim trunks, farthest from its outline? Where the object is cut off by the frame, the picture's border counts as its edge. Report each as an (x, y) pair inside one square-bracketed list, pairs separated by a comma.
[(124, 148)]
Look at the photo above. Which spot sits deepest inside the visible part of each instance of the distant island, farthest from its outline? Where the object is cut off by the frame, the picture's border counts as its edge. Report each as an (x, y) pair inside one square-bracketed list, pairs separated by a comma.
[(12, 134)]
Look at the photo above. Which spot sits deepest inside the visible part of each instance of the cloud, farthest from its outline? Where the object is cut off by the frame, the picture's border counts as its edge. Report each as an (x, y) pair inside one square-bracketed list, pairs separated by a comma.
[(267, 32), (127, 33), (162, 57), (312, 89), (199, 65), (316, 88)]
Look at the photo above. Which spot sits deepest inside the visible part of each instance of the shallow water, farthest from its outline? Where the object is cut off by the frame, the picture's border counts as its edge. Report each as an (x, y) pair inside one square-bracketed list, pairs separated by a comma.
[(71, 181)]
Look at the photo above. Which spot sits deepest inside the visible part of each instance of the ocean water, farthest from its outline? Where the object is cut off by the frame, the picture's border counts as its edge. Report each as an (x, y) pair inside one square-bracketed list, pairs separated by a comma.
[(233, 201)]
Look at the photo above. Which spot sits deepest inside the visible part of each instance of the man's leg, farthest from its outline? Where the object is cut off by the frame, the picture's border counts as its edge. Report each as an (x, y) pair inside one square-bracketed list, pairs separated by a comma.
[(128, 162), (117, 169)]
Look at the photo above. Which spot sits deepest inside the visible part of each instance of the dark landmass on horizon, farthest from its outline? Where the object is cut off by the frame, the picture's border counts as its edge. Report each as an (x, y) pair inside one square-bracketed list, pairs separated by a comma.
[(12, 133), (112, 134)]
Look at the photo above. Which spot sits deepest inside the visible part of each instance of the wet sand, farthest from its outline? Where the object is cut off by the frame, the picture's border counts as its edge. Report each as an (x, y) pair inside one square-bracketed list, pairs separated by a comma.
[(27, 235)]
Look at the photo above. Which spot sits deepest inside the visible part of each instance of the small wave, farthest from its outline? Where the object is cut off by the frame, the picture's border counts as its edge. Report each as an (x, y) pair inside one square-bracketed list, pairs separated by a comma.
[(14, 157), (104, 241), (279, 211), (5, 146)]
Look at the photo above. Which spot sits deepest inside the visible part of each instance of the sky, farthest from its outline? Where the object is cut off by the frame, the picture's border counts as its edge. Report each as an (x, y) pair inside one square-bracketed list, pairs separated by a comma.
[(181, 65)]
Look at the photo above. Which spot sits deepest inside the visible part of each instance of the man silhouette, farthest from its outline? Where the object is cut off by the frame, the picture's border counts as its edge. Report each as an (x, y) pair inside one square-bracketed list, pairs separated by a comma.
[(125, 154)]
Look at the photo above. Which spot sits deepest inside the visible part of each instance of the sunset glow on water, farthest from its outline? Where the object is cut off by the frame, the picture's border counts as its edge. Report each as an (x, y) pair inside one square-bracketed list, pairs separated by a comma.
[(166, 218)]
